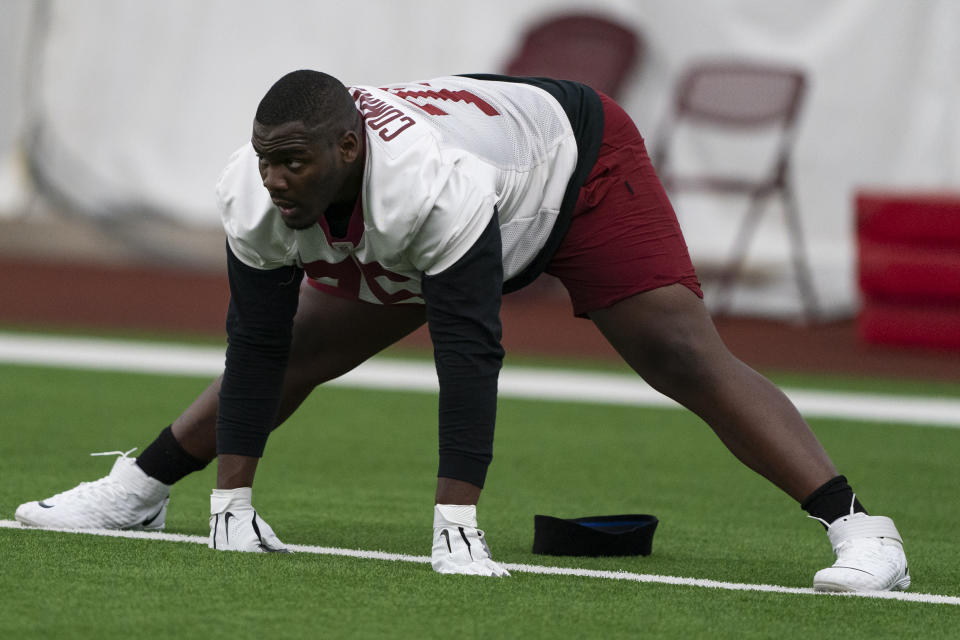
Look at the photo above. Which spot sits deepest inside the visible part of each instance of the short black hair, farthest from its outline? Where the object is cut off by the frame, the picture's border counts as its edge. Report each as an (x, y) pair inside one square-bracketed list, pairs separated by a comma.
[(316, 99)]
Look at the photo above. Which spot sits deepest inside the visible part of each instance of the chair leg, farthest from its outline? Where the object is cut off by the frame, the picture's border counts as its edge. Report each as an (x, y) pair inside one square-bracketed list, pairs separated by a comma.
[(738, 253), (801, 266)]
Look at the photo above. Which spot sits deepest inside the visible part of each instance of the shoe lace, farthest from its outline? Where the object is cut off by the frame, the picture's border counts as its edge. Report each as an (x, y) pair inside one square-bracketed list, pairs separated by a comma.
[(106, 487), (122, 454)]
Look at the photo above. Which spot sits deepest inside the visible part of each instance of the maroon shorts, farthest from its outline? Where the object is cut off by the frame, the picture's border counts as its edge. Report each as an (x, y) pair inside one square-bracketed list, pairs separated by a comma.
[(624, 237)]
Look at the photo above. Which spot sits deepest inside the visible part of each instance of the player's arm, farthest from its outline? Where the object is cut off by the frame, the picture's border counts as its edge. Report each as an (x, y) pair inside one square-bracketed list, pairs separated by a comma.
[(463, 315), (259, 330)]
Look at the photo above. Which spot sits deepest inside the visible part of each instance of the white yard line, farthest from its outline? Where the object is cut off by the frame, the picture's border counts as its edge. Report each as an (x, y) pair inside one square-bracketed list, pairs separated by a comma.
[(927, 598), (515, 382)]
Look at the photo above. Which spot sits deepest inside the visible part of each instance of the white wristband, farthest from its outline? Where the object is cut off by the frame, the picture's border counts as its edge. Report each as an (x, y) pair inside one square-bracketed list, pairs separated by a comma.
[(455, 515)]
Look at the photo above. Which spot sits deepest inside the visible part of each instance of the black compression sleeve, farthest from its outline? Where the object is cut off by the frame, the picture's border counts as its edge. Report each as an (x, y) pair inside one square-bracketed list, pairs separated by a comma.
[(259, 330), (463, 314)]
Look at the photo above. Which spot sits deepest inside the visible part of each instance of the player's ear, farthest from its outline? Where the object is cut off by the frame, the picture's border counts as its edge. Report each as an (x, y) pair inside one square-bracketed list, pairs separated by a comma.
[(350, 146)]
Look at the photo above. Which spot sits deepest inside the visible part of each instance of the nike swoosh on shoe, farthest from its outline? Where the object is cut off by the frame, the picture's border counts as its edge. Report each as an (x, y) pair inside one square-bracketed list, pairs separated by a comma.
[(853, 569), (45, 505), (148, 521)]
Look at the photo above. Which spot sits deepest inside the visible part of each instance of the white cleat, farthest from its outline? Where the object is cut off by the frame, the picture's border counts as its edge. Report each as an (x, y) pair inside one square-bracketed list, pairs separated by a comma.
[(869, 556), (458, 546), (235, 525), (127, 498)]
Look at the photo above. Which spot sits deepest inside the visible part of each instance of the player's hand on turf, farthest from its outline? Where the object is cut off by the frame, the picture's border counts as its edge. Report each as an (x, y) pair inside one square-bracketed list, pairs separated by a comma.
[(236, 526), (458, 545)]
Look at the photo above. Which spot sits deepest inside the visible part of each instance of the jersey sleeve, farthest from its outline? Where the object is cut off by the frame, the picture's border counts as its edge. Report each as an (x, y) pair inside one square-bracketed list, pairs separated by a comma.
[(457, 218), (255, 232)]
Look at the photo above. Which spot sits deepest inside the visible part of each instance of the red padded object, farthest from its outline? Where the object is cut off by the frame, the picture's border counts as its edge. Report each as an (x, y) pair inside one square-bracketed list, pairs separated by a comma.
[(909, 263), (909, 273), (931, 219)]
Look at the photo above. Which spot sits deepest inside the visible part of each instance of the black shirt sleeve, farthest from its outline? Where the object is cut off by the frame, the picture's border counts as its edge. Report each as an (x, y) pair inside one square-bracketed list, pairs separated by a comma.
[(463, 314), (259, 330)]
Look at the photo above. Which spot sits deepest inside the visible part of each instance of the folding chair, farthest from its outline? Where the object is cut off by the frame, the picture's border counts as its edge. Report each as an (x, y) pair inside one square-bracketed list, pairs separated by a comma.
[(742, 97), (581, 47)]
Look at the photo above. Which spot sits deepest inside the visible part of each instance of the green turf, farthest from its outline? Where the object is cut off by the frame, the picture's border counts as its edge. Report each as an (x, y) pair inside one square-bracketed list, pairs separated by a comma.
[(355, 469)]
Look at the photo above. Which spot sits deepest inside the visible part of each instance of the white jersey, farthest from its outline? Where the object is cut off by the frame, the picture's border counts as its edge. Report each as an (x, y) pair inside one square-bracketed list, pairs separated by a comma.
[(441, 156)]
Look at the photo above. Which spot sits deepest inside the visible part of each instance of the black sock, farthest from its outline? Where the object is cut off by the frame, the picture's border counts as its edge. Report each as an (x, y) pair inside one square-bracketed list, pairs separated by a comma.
[(832, 501), (165, 460)]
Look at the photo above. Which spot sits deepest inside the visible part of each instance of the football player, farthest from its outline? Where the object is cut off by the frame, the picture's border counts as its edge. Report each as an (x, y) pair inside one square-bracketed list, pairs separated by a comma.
[(356, 214)]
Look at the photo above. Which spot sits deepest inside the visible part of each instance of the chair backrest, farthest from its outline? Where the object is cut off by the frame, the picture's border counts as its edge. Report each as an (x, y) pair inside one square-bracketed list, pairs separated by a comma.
[(581, 47), (740, 94), (733, 95)]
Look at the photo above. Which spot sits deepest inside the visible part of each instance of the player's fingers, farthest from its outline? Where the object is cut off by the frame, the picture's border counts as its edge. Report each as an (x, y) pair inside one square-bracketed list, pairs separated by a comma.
[(496, 569)]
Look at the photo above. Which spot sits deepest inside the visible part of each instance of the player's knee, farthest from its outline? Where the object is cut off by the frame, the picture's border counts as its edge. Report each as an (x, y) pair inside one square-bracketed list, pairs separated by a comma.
[(678, 362)]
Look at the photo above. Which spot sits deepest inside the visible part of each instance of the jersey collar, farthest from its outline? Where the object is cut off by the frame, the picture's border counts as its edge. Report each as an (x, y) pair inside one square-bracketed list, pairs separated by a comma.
[(354, 227)]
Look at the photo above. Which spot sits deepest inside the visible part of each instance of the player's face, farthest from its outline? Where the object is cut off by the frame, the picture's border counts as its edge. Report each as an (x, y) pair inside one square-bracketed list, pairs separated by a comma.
[(304, 172)]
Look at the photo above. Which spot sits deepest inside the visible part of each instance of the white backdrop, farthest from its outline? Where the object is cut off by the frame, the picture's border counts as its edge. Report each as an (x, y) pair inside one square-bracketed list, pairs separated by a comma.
[(143, 101)]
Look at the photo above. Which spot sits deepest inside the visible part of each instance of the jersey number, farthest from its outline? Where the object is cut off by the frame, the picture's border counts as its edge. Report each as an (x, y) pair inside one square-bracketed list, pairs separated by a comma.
[(350, 272)]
